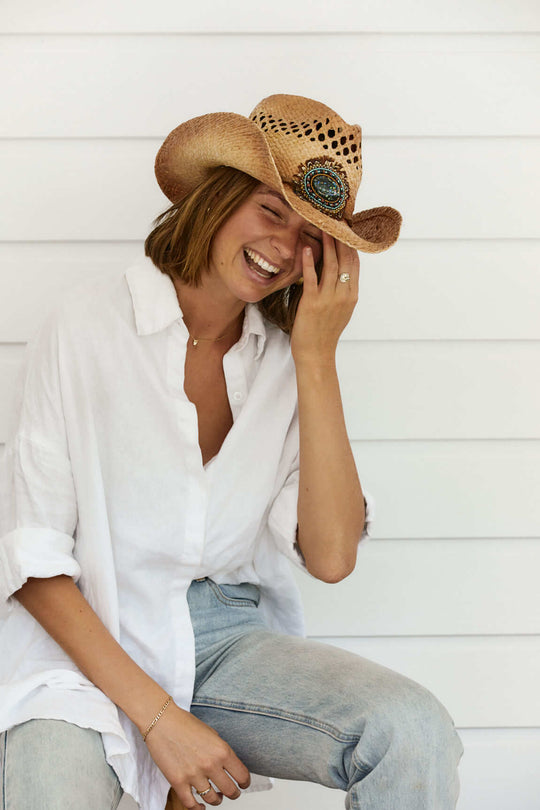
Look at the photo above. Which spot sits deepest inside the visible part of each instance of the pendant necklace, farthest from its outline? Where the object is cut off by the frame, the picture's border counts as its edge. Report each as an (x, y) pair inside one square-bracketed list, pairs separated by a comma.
[(195, 341)]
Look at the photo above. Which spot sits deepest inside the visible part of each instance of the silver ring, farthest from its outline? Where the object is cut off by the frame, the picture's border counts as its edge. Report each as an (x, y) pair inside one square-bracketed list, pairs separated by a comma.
[(344, 277), (204, 792)]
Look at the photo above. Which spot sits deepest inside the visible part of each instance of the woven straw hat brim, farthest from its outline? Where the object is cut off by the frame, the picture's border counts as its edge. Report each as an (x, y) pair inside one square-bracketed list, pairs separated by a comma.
[(229, 139)]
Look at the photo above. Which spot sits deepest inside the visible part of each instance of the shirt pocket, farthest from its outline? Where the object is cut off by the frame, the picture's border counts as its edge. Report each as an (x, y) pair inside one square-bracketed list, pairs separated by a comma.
[(246, 594)]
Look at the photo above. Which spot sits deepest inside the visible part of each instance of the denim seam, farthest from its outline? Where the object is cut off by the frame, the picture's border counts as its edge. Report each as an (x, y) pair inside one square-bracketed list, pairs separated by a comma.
[(228, 600), (360, 765), (266, 711)]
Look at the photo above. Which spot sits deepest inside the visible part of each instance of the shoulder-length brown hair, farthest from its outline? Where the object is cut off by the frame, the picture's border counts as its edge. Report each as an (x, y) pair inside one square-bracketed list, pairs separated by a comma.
[(181, 241)]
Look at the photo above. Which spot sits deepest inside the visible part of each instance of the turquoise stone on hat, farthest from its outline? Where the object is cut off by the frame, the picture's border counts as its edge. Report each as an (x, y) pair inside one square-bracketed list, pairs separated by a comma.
[(326, 187), (323, 183)]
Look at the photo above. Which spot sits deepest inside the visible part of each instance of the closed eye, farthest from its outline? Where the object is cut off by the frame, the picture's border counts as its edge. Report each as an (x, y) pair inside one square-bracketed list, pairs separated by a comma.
[(271, 211)]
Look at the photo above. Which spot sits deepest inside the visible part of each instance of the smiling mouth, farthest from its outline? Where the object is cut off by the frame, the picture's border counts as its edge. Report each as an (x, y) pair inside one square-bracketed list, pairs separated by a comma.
[(260, 265)]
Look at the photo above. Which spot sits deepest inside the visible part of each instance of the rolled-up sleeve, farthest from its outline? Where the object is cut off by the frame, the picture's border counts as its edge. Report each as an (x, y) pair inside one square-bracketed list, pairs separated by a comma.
[(38, 506)]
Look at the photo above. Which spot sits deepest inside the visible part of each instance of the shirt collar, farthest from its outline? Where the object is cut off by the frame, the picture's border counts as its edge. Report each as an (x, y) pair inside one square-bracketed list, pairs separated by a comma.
[(253, 325), (155, 304)]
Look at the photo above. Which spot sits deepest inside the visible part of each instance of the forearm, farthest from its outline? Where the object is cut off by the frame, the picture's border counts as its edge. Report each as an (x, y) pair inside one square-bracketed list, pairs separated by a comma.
[(331, 510), (58, 605)]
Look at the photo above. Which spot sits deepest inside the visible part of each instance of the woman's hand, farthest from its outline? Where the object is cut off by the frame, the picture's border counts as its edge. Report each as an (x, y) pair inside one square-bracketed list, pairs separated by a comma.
[(326, 307), (190, 753)]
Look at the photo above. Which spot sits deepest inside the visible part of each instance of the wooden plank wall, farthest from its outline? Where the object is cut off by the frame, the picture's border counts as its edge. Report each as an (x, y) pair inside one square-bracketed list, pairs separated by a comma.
[(439, 365)]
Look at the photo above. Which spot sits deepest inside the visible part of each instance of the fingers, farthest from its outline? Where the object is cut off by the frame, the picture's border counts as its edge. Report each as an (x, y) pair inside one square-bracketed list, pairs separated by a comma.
[(221, 784), (190, 802), (348, 262), (234, 767), (225, 784), (330, 264), (308, 271), (213, 797), (338, 258)]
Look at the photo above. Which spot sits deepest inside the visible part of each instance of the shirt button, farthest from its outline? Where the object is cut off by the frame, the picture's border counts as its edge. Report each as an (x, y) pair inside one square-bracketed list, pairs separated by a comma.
[(237, 396)]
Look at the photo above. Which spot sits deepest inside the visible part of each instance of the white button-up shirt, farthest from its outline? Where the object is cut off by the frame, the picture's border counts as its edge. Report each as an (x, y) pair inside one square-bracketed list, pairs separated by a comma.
[(102, 479)]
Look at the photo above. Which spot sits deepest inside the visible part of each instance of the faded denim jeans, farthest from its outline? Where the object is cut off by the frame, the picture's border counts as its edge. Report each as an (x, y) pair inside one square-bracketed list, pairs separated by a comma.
[(289, 707)]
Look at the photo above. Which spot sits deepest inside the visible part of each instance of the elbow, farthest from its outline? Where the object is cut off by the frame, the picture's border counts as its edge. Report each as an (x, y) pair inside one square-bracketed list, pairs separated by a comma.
[(330, 571), (330, 561), (333, 577)]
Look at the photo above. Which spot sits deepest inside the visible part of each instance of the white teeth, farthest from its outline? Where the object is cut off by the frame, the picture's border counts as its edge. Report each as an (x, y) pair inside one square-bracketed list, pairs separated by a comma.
[(270, 268)]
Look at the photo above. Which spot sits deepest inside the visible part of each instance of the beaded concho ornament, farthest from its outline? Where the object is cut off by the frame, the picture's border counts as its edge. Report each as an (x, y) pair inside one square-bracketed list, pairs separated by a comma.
[(323, 183)]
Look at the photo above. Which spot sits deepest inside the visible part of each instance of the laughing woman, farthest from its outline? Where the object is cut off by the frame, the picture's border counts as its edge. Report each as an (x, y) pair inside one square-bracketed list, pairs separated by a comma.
[(178, 439)]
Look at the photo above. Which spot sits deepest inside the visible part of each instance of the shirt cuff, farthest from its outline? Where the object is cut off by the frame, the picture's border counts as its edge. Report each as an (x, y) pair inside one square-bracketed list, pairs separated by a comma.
[(369, 504), (33, 552)]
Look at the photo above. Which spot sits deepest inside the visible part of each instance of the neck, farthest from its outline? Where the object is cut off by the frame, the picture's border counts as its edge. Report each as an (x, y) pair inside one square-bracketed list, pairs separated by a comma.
[(204, 315)]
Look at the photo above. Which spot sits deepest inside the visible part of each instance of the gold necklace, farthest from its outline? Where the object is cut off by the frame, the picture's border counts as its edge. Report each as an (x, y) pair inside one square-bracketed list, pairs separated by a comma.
[(195, 340)]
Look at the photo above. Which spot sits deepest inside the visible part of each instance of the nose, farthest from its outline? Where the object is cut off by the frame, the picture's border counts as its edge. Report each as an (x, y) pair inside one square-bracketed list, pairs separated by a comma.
[(285, 242)]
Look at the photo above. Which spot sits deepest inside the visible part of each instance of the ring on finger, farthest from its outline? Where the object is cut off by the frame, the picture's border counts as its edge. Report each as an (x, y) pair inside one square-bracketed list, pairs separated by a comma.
[(344, 277), (204, 792)]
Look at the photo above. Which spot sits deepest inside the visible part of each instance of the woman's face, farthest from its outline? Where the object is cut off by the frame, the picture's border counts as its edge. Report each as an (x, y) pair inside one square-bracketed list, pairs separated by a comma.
[(258, 250)]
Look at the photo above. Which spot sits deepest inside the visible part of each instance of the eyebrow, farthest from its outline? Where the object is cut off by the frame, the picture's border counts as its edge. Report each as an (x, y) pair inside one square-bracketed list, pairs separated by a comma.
[(280, 197)]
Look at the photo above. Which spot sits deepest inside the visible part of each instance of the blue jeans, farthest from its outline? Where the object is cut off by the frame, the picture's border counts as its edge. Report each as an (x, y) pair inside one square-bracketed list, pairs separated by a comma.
[(289, 707)]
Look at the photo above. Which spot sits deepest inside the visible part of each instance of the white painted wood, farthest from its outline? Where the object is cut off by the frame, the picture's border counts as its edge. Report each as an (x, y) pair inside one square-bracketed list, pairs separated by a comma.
[(440, 587), (298, 17), (444, 289), (34, 276), (83, 86), (498, 771), (452, 489), (418, 290), (105, 189), (484, 682), (441, 390), (421, 389)]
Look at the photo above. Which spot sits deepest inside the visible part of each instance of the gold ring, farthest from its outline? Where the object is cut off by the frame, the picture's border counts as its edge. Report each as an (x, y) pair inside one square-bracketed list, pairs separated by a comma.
[(204, 792), (344, 277)]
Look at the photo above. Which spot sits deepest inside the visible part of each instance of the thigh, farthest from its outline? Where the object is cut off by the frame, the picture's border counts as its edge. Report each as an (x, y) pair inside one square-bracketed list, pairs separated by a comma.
[(54, 765), (293, 708)]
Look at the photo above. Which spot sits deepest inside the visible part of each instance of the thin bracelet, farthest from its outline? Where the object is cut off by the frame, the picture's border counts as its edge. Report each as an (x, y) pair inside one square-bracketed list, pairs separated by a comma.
[(156, 718)]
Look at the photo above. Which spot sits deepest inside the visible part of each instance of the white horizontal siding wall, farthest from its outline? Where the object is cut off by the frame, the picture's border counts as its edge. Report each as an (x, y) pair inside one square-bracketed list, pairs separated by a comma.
[(439, 365)]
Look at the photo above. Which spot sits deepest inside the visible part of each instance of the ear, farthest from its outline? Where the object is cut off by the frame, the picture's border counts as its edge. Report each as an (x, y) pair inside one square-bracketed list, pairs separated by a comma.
[(378, 226)]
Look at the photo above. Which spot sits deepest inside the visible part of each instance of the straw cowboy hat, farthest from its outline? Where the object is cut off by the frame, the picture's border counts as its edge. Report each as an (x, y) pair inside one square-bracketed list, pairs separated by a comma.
[(293, 144)]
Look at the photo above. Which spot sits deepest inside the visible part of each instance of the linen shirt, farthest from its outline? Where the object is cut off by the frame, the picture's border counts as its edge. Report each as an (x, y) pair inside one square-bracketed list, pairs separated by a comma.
[(102, 480)]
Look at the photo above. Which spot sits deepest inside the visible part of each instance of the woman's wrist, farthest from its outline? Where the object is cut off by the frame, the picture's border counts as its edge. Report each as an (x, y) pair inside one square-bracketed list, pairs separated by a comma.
[(156, 718), (143, 705), (315, 361), (314, 371)]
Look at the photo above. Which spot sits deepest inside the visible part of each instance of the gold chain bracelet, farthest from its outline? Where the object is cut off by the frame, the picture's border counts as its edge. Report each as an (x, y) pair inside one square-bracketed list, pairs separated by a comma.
[(156, 718)]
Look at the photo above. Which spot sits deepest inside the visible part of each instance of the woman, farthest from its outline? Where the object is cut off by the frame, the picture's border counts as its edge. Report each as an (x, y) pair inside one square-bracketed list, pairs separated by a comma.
[(177, 437)]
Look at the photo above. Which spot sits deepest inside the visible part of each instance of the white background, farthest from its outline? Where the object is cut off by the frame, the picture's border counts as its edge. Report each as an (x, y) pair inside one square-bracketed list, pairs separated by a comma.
[(439, 366)]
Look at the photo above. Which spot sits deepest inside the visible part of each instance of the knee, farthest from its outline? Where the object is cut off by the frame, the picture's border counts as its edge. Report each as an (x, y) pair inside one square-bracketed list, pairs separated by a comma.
[(412, 718), (425, 713)]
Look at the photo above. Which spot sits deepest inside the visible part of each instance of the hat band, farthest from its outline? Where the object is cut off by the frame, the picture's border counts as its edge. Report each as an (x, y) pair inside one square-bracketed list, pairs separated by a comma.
[(323, 183)]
